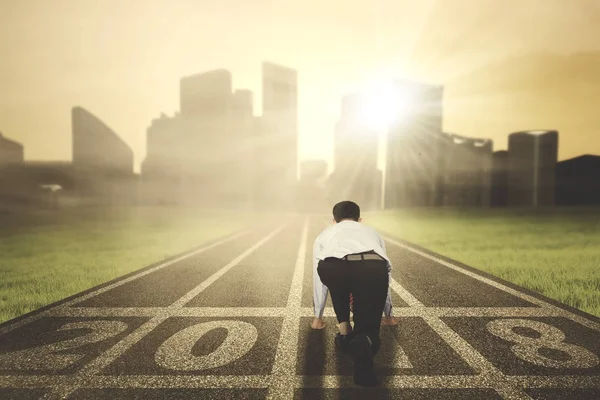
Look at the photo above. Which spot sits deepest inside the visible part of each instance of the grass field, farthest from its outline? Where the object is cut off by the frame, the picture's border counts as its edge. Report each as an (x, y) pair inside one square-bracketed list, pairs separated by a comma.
[(553, 252), (46, 256)]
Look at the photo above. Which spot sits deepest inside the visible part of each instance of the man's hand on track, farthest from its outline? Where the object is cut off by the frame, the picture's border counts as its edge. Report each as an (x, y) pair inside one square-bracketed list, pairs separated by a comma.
[(390, 321), (318, 323)]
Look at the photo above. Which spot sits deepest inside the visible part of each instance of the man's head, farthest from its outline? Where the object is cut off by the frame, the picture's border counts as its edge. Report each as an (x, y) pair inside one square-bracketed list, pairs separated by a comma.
[(346, 210)]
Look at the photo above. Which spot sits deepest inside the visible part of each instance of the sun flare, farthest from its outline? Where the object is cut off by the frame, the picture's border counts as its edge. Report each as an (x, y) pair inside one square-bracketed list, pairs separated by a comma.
[(383, 104)]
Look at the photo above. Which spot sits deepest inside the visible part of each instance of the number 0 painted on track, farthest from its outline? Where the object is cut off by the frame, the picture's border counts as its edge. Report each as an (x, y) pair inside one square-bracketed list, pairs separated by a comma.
[(528, 348), (176, 352)]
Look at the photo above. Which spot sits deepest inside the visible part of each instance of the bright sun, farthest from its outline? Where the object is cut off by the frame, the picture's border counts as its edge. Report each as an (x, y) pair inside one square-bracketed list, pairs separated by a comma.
[(383, 104)]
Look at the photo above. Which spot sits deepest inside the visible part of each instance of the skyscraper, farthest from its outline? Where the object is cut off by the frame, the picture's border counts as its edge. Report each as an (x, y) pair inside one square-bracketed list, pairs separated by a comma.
[(207, 93), (277, 142), (414, 147), (532, 158), (203, 154)]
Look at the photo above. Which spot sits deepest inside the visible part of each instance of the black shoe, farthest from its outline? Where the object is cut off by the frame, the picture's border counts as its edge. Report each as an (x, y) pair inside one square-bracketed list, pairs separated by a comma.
[(342, 342), (364, 368)]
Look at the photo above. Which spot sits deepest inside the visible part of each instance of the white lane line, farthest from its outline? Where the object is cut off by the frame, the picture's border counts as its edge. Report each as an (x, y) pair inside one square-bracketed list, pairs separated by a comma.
[(198, 289), (558, 381), (541, 303), (182, 312), (314, 381), (404, 295), (475, 360), (304, 312), (397, 381), (87, 296), (89, 372), (471, 274), (284, 367)]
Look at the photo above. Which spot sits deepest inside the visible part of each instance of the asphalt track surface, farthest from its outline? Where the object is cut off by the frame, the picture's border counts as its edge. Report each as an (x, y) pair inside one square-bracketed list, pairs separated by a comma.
[(231, 320)]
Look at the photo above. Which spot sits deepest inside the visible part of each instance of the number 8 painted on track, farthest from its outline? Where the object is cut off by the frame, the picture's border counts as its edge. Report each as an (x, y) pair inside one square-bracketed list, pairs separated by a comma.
[(527, 348)]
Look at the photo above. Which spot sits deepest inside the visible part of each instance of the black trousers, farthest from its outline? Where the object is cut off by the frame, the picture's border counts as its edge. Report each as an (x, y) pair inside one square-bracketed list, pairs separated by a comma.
[(368, 282)]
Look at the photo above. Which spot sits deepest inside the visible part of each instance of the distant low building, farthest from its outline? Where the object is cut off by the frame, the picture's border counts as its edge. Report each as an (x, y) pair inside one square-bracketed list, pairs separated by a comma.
[(578, 181), (499, 190), (532, 158), (466, 171), (10, 151)]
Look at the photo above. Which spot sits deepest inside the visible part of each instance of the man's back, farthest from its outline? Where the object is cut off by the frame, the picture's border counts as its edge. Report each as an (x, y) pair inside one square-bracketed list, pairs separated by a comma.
[(348, 237)]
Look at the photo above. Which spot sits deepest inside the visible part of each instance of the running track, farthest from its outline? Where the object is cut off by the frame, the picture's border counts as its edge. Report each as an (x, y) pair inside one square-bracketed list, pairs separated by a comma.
[(231, 320)]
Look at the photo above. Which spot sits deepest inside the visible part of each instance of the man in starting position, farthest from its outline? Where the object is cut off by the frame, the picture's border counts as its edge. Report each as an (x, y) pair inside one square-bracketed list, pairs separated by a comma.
[(349, 259)]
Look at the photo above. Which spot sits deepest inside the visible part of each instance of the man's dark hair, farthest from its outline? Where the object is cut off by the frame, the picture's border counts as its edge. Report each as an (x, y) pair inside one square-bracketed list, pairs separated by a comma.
[(346, 210)]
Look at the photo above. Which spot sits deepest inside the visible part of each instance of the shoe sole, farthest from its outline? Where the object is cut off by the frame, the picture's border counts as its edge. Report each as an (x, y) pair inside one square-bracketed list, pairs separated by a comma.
[(364, 369)]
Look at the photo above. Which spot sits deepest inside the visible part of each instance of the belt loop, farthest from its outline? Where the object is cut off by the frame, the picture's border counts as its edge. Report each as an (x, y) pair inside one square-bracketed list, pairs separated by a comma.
[(362, 257)]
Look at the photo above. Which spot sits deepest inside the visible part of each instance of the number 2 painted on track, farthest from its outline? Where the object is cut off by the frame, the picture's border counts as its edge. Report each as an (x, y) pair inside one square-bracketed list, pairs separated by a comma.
[(47, 357), (528, 348), (175, 353)]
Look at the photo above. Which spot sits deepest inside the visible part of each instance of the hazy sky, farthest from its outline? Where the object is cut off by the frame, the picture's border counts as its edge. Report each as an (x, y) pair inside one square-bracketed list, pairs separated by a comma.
[(122, 61)]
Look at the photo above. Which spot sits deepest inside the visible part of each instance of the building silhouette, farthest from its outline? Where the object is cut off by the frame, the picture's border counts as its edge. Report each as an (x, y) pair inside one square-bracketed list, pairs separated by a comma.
[(201, 155), (216, 152), (206, 94), (97, 147), (578, 181), (499, 190), (414, 148), (101, 171), (466, 167), (532, 158), (356, 148), (276, 146), (102, 164), (10, 151)]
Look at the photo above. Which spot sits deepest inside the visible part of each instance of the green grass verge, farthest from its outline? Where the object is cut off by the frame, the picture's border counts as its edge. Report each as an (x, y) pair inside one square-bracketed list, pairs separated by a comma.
[(553, 252), (49, 255)]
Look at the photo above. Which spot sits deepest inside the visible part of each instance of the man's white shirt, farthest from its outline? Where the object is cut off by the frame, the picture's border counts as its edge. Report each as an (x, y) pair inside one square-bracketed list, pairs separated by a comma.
[(339, 240)]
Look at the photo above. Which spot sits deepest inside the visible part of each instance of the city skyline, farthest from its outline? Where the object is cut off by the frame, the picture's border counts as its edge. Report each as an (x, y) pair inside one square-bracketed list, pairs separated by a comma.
[(62, 57)]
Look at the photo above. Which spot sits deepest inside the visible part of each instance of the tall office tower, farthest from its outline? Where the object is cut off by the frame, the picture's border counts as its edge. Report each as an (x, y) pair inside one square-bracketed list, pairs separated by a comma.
[(467, 172), (578, 181), (356, 147), (202, 155), (414, 147), (97, 147), (205, 94), (532, 158), (499, 179), (10, 151), (277, 144)]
